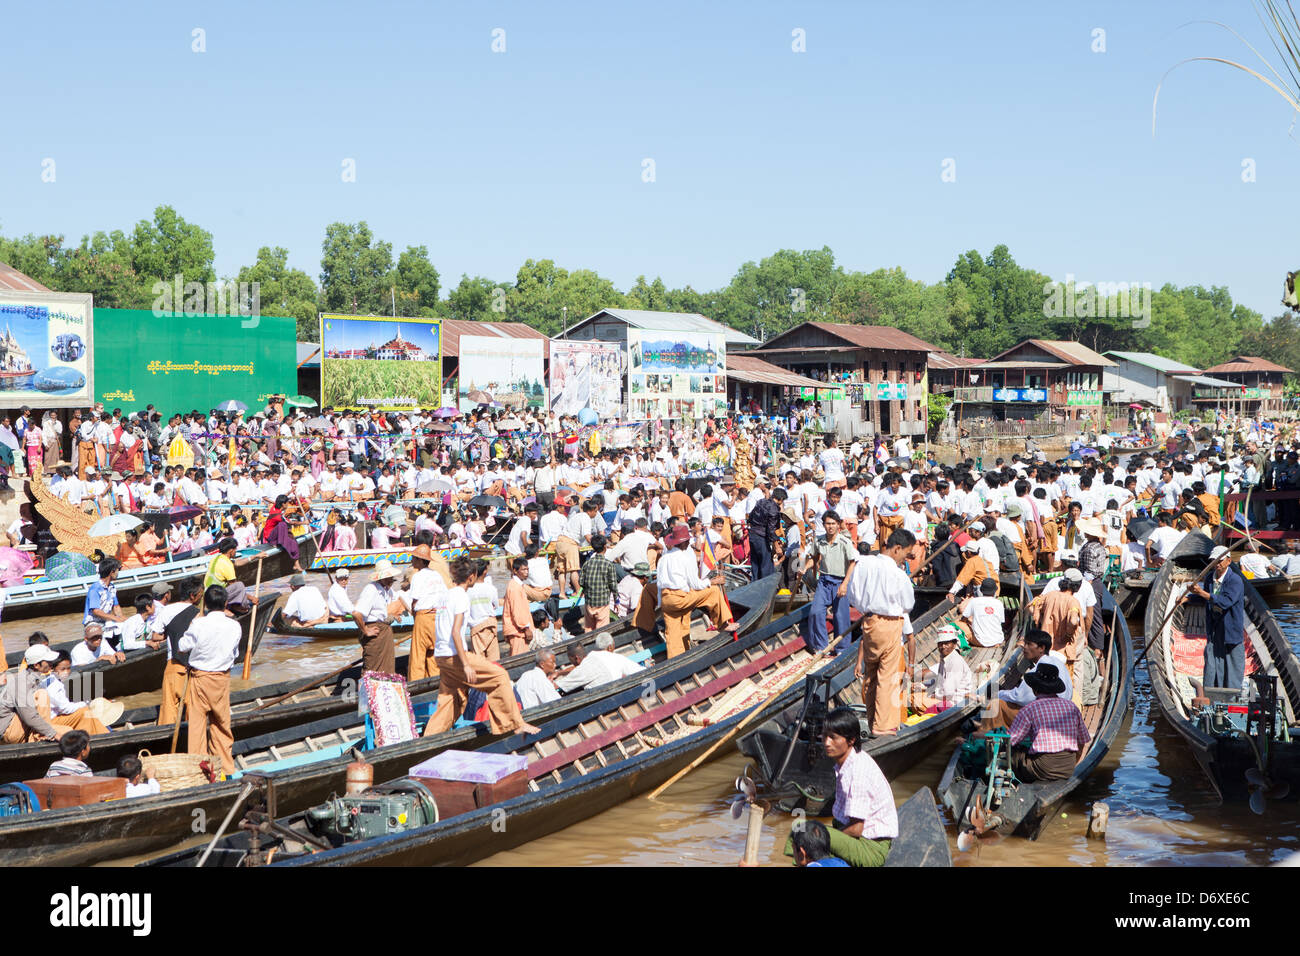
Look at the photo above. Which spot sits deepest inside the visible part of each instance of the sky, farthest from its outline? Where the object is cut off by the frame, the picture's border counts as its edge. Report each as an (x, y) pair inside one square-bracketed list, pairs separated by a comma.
[(490, 158)]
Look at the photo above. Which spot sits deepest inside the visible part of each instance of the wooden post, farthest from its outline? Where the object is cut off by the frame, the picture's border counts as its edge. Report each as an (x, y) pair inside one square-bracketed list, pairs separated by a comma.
[(752, 835), (1098, 820)]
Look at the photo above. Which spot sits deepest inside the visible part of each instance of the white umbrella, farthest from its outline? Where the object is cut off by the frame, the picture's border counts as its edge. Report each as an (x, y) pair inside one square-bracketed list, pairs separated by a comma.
[(113, 524), (8, 438), (434, 485)]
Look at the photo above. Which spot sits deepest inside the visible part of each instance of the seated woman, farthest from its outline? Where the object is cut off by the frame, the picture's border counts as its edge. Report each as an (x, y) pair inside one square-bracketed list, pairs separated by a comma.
[(948, 682), (865, 820)]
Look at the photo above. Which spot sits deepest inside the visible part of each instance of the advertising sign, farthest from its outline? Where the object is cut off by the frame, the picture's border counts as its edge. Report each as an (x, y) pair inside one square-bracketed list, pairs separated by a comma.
[(380, 362), (1083, 397), (586, 375), (676, 374), (45, 349), (1020, 395), (890, 391), (182, 362), (499, 370)]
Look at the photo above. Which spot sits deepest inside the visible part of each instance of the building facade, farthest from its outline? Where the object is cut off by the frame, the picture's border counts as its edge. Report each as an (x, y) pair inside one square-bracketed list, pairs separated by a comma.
[(1037, 379)]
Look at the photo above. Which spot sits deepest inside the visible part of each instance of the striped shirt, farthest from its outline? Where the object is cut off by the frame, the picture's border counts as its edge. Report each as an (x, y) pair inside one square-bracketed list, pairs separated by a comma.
[(1052, 724)]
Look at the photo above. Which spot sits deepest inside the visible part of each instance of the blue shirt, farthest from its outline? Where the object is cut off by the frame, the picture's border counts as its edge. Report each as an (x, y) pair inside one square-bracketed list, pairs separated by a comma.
[(828, 861), (102, 597)]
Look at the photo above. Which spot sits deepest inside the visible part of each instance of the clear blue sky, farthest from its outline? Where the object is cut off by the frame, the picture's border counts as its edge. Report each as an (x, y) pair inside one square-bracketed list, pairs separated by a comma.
[(489, 159)]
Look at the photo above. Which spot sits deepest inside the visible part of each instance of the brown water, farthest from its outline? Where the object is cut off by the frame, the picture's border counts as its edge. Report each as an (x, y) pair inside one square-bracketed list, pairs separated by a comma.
[(1163, 811)]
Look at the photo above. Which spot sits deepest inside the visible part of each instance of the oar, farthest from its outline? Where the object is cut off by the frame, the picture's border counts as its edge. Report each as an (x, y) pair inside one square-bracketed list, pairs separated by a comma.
[(753, 712), (321, 680), (252, 623), (926, 564)]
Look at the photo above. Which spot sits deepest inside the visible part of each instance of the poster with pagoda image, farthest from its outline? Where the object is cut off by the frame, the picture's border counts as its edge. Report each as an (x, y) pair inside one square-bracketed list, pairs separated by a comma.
[(673, 375), (380, 362), (500, 373), (45, 349)]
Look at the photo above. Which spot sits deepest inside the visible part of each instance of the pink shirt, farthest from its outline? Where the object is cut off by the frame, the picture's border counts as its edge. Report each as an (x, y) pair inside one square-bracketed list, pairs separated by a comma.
[(862, 793)]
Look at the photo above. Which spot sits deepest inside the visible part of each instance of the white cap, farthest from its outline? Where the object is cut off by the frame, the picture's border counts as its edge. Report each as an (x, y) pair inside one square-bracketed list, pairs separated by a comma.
[(977, 526), (970, 546), (1073, 574), (342, 573), (39, 652), (1218, 553), (1069, 554)]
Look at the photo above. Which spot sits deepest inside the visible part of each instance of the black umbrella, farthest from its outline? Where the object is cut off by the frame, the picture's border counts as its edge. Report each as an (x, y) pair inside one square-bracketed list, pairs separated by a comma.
[(487, 501)]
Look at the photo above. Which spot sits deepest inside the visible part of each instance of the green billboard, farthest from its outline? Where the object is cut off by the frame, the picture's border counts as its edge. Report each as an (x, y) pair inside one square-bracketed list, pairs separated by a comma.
[(179, 362)]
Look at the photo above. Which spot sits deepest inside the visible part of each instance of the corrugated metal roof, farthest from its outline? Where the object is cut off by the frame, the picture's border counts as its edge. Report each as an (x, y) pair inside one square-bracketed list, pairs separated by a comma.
[(1248, 363), (749, 368), (1070, 352), (1018, 363), (946, 360), (1157, 362), (11, 280), (1208, 381), (453, 329), (670, 322), (863, 336)]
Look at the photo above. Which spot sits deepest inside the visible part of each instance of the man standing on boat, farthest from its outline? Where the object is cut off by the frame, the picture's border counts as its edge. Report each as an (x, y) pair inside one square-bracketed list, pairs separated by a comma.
[(1225, 648), (883, 592)]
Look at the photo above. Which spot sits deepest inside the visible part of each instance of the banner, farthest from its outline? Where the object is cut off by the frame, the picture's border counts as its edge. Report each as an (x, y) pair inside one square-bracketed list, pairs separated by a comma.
[(586, 375), (676, 374), (380, 362), (500, 370), (45, 349), (1019, 394), (177, 362), (1083, 397)]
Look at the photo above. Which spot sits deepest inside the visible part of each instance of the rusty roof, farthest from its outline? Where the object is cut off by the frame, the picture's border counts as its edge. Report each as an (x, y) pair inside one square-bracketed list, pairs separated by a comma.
[(862, 336), (1071, 353), (11, 280), (944, 361), (453, 329), (751, 368), (1247, 363)]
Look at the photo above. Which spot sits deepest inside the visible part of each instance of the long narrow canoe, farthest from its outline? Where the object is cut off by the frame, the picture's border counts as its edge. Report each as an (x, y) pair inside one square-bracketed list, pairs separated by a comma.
[(61, 597), (1021, 807), (347, 630), (308, 763), (786, 750), (1177, 658), (581, 764), (142, 670)]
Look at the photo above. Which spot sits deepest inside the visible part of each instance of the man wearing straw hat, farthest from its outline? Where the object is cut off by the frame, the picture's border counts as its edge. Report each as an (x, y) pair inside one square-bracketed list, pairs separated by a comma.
[(424, 594), (374, 611)]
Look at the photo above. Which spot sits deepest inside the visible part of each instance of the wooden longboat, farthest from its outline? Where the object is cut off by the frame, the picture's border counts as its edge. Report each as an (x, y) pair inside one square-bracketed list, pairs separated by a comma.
[(581, 764), (347, 630), (1131, 595), (786, 750), (62, 597), (1022, 807), (931, 595), (308, 762), (922, 840), (1225, 755), (142, 670)]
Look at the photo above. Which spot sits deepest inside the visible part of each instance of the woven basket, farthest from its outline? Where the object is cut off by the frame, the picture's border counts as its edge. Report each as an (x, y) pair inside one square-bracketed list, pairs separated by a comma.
[(177, 771)]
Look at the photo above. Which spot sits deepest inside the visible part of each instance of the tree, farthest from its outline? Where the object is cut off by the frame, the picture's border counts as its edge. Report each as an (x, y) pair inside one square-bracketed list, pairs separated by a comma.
[(169, 247), (472, 300), (417, 282), (781, 291), (284, 291), (356, 270)]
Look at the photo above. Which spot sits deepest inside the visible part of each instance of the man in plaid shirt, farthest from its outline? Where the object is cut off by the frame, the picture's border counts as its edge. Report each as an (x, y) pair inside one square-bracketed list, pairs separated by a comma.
[(598, 579), (1053, 727)]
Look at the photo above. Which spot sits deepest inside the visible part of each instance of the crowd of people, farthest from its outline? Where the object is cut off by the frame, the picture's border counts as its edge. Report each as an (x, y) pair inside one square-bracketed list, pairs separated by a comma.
[(638, 532)]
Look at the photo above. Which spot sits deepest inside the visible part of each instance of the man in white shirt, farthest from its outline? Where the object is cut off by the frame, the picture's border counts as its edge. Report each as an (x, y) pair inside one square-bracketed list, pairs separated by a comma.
[(634, 548), (536, 686), (985, 616), (882, 591), (337, 601), (1037, 647), (522, 530), (682, 589), (305, 606), (597, 667), (212, 642), (93, 648), (1162, 541)]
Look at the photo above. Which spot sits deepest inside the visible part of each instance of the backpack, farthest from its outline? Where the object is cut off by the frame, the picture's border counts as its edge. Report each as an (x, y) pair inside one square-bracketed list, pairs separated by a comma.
[(1006, 551)]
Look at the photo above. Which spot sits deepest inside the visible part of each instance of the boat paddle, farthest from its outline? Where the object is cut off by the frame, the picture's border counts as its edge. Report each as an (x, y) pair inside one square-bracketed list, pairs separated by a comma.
[(248, 649), (321, 680)]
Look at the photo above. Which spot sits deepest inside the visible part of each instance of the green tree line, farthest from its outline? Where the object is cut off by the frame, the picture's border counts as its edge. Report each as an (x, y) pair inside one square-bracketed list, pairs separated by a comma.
[(986, 303)]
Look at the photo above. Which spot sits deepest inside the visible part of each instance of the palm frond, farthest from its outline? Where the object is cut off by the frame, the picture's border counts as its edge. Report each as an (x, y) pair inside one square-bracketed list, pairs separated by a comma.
[(1285, 94)]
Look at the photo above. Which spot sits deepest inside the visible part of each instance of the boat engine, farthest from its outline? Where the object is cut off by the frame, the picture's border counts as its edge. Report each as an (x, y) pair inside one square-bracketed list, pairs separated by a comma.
[(389, 808)]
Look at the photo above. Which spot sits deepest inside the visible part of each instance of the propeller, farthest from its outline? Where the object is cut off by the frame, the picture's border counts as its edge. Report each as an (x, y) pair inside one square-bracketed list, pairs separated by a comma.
[(1263, 789)]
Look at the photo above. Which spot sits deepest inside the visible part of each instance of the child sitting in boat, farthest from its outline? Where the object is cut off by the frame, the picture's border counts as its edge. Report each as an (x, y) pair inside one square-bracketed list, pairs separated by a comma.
[(137, 785), (75, 747)]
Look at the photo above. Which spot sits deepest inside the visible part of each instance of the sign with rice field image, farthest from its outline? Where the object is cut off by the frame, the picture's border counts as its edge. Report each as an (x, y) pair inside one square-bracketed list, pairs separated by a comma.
[(380, 362)]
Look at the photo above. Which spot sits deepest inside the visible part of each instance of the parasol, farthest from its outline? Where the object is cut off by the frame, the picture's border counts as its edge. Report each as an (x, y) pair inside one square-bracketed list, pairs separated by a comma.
[(320, 422), (231, 405), (487, 501), (446, 412), (300, 401), (7, 437), (12, 565), (66, 565), (113, 524), (587, 416), (434, 486)]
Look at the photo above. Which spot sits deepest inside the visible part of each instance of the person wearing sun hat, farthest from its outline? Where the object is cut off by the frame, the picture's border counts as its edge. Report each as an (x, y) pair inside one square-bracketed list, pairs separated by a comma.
[(374, 611), (1050, 727), (949, 681)]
